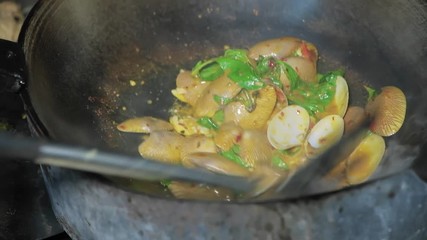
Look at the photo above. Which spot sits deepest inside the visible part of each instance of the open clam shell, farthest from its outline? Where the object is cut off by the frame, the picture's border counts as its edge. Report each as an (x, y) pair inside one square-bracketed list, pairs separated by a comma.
[(288, 128)]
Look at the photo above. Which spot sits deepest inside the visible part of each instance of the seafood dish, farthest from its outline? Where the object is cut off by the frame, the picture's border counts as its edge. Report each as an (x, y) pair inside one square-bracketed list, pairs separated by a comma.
[(264, 112)]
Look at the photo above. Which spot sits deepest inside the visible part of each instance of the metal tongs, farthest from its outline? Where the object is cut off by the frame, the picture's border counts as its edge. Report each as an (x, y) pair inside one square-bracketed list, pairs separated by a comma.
[(111, 164), (308, 180)]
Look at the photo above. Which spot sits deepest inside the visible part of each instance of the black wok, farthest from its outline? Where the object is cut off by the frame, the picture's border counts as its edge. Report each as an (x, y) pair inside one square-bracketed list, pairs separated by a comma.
[(81, 54)]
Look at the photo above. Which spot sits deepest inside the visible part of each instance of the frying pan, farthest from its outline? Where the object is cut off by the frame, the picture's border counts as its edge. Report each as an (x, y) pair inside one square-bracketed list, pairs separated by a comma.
[(81, 54)]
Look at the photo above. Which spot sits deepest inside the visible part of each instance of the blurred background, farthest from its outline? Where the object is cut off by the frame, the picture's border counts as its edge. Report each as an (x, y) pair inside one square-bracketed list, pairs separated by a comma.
[(25, 211)]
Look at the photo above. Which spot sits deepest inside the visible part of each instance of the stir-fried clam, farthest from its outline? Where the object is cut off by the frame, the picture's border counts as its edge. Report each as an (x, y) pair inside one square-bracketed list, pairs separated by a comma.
[(262, 113), (144, 125), (228, 135), (387, 111), (265, 100), (222, 87), (255, 148), (327, 132), (188, 88), (305, 68), (339, 103), (164, 146), (289, 127), (197, 143), (280, 47), (362, 162)]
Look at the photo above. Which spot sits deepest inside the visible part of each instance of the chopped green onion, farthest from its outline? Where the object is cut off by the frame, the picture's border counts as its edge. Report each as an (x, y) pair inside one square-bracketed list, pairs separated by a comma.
[(207, 122)]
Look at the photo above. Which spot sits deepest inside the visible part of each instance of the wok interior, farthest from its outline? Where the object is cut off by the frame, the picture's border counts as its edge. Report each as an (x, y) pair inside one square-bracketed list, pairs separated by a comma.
[(82, 56)]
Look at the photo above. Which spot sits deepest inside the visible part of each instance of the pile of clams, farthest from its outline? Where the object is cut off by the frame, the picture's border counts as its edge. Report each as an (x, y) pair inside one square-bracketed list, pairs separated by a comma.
[(263, 113)]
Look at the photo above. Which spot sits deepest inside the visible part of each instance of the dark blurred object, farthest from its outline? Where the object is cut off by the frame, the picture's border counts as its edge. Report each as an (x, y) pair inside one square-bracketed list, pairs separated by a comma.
[(420, 165), (24, 206), (25, 210)]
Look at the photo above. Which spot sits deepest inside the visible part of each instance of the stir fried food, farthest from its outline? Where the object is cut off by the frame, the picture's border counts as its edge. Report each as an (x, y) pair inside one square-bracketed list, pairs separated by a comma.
[(264, 112)]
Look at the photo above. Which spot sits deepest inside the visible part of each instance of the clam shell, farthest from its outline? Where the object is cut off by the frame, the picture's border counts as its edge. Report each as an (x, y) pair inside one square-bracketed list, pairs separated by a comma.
[(324, 134), (279, 47), (188, 88), (364, 160), (311, 51), (222, 87), (255, 148), (361, 163), (197, 143), (163, 146), (339, 103), (228, 135), (305, 68), (288, 128), (187, 126), (265, 102), (279, 106), (388, 111), (144, 125)]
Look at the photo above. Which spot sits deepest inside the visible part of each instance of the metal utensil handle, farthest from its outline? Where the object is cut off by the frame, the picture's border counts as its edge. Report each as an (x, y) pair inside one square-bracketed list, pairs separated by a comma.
[(101, 162)]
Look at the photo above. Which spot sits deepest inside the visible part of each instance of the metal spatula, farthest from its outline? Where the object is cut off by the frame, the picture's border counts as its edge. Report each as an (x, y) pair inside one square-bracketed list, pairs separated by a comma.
[(113, 164)]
